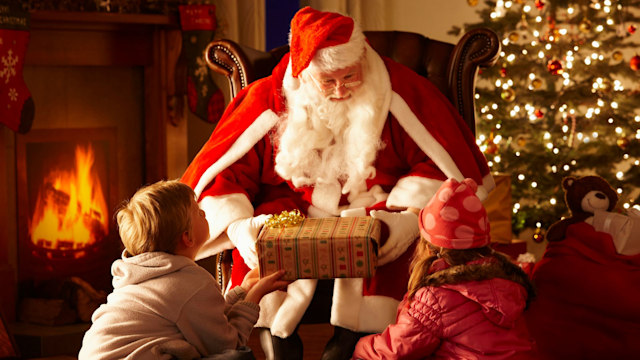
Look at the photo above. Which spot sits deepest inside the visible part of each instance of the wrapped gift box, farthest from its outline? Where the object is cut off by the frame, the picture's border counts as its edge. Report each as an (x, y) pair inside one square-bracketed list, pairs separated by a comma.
[(625, 230), (321, 248)]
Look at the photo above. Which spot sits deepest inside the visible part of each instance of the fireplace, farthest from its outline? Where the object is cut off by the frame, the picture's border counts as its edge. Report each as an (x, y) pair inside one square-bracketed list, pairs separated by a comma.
[(67, 191), (103, 86)]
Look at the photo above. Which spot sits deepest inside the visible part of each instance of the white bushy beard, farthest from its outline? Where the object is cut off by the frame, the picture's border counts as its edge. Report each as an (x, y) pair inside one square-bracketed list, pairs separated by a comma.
[(329, 142)]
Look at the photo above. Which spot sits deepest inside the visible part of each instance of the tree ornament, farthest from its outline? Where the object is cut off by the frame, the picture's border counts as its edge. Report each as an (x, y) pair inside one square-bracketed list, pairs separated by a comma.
[(538, 235), (585, 25), (539, 4), (514, 37), (605, 86), (538, 113), (472, 2), (536, 83), (631, 29), (508, 95), (634, 63), (554, 66), (617, 55), (503, 71), (622, 143), (492, 148), (521, 141)]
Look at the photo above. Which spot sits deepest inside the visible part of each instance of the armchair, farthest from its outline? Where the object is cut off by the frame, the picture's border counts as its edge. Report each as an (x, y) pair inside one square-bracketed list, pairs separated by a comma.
[(452, 68)]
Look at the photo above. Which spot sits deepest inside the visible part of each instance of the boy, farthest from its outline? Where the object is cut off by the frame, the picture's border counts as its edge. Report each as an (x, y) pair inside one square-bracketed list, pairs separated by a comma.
[(161, 296)]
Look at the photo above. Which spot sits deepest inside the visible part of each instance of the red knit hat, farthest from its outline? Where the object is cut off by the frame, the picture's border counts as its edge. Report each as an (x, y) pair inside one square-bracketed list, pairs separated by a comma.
[(312, 30), (455, 217)]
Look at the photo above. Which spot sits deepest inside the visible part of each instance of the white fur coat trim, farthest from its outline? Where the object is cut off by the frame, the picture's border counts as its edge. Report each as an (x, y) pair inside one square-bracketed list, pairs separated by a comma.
[(256, 131), (357, 312), (429, 145), (221, 211), (286, 308)]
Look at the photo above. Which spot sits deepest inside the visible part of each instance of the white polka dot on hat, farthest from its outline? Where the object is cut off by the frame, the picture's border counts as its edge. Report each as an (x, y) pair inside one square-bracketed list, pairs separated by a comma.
[(455, 217)]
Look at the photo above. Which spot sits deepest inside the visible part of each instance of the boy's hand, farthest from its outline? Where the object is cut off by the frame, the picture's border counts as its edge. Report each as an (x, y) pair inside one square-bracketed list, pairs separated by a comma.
[(263, 286)]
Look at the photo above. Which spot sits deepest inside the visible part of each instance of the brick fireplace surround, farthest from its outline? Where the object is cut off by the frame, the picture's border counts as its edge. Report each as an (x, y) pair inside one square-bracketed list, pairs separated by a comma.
[(96, 71)]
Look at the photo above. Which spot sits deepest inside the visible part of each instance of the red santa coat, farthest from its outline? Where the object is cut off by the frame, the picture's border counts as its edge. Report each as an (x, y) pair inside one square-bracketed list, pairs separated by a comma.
[(426, 142)]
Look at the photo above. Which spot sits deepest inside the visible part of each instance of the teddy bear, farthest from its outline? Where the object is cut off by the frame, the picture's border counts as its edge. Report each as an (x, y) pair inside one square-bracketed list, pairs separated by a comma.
[(583, 196)]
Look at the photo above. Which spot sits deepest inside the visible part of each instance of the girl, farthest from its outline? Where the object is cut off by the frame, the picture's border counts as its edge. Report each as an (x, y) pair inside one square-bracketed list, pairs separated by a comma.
[(465, 301)]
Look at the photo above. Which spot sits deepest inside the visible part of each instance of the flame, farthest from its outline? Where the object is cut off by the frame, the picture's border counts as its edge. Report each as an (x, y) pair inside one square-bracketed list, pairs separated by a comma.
[(70, 211)]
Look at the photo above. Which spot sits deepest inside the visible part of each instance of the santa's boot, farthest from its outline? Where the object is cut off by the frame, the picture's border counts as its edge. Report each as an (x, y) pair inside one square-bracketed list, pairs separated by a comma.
[(277, 348), (341, 344)]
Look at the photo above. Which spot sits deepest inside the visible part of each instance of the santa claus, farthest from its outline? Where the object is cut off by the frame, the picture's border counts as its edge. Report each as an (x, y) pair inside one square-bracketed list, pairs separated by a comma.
[(336, 130)]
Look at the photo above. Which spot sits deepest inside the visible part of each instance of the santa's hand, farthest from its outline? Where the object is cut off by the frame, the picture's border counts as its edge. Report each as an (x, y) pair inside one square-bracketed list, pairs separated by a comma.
[(403, 231), (243, 234)]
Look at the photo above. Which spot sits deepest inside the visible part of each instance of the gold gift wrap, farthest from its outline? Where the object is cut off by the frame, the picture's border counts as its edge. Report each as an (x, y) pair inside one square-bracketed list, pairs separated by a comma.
[(321, 248)]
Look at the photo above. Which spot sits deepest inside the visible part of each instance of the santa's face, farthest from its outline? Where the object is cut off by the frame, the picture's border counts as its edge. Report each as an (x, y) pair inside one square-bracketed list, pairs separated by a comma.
[(338, 85)]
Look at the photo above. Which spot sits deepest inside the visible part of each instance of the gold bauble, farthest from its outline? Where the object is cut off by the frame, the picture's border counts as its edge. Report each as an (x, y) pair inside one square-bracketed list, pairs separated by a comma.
[(538, 235), (617, 55), (622, 142), (472, 2), (514, 36), (536, 83), (585, 25), (521, 141), (508, 95)]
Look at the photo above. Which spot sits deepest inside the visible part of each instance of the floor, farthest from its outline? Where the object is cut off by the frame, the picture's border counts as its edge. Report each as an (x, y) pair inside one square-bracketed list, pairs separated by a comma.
[(314, 337)]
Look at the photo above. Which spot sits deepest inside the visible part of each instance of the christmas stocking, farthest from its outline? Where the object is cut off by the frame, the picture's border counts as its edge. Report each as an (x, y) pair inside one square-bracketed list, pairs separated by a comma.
[(198, 23), (16, 106)]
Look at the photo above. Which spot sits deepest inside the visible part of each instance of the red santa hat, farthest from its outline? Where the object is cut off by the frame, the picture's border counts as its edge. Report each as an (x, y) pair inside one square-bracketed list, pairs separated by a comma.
[(334, 38), (455, 217)]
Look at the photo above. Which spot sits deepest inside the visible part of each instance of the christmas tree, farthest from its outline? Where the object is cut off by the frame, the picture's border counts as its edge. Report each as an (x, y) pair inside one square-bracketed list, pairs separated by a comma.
[(563, 99)]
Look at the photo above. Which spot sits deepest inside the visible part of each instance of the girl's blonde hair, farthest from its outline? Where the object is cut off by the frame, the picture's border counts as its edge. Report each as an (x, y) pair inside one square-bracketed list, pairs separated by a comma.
[(155, 217), (459, 270)]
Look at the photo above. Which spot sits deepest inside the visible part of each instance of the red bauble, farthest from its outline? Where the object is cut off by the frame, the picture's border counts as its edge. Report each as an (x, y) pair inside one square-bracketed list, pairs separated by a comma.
[(634, 63), (631, 29), (538, 113), (554, 67), (539, 4), (492, 148), (503, 72)]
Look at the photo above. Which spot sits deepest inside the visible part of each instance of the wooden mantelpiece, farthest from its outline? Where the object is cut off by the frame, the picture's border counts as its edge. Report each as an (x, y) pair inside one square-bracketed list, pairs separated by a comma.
[(105, 39)]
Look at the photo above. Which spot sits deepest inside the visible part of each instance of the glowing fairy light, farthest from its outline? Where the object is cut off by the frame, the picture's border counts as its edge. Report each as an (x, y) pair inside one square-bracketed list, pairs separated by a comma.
[(610, 120), (521, 177), (599, 28), (517, 153), (497, 159), (494, 106), (552, 201), (482, 138), (556, 151), (570, 10), (610, 21), (600, 102), (541, 54), (511, 57), (489, 116), (547, 135), (549, 146), (534, 184), (594, 135), (619, 175), (532, 76), (498, 83), (614, 105), (587, 61), (526, 8), (595, 44), (538, 18), (563, 31), (505, 41), (618, 130), (637, 118), (554, 169), (548, 46), (565, 167)]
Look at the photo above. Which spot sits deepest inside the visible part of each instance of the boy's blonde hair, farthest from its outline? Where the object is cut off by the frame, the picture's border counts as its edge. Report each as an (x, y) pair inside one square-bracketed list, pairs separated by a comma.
[(155, 217)]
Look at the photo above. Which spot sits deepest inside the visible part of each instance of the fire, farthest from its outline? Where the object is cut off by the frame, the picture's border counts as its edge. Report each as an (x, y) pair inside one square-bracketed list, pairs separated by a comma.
[(70, 211)]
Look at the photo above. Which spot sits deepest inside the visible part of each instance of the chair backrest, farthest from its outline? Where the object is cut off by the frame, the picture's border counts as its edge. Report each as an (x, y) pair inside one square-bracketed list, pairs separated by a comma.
[(452, 68)]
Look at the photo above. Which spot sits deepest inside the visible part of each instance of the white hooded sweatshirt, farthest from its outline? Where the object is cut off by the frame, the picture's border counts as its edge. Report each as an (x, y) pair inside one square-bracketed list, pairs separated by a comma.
[(159, 297)]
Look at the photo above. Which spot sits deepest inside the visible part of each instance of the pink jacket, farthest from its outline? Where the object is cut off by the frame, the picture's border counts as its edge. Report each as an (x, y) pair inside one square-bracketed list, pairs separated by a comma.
[(474, 320)]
